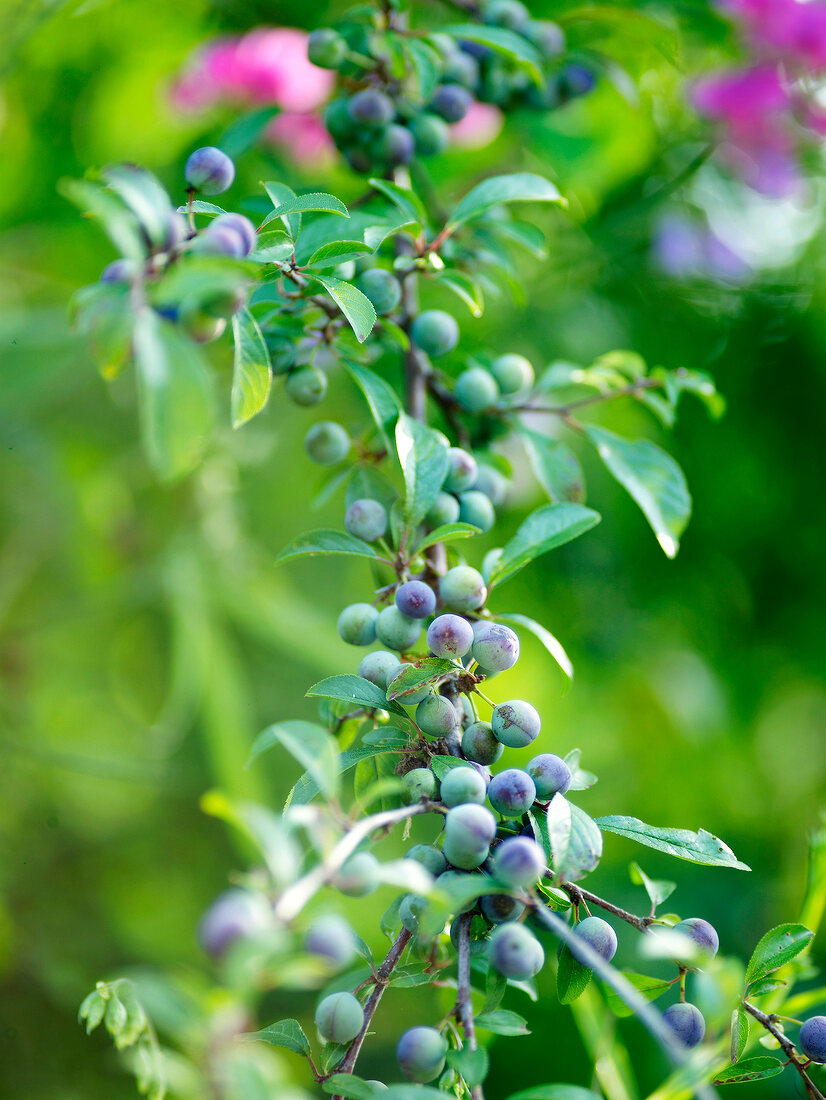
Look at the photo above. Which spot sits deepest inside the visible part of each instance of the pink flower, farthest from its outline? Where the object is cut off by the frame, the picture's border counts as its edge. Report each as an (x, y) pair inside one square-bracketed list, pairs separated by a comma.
[(268, 65), (794, 29), (304, 137), (756, 110), (480, 126)]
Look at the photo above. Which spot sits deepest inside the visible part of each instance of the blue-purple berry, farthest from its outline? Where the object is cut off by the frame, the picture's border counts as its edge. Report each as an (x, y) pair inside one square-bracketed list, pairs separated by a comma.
[(209, 171), (495, 647), (515, 952), (600, 937), (687, 1023), (511, 792), (550, 774), (415, 599), (518, 862), (450, 636)]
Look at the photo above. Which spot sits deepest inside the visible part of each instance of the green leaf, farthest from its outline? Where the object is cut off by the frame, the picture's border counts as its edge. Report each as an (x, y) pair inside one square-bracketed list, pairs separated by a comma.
[(92, 1010), (472, 1065), (287, 1034), (337, 252), (307, 788), (518, 187), (441, 765), (355, 690), (553, 646), (426, 63), (354, 1088), (448, 532), (555, 1092), (312, 746), (739, 1033), (404, 198), (556, 467), (652, 478), (750, 1069), (356, 307), (572, 977), (700, 847), (424, 463), (246, 131), (174, 393), (144, 196), (251, 374), (381, 398), (117, 221), (650, 988), (776, 948), (502, 41), (576, 842), (524, 234), (658, 890), (463, 287), (428, 670), (544, 530), (410, 1092), (325, 541), (199, 206), (303, 204), (102, 312), (376, 785), (763, 986), (502, 1022)]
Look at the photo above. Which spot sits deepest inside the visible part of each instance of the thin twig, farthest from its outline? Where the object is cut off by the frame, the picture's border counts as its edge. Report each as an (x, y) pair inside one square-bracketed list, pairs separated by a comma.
[(380, 979), (631, 390), (293, 900), (577, 894), (788, 1047), (648, 1016), (464, 1005)]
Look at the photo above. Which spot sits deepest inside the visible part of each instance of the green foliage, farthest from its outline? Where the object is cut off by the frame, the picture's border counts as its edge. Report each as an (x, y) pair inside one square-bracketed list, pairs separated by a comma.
[(225, 611)]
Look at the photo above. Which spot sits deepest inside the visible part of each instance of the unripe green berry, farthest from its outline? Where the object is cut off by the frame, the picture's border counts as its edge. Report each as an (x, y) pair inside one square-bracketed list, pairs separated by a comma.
[(513, 373), (339, 1018), (357, 624), (327, 443), (306, 385), (476, 390)]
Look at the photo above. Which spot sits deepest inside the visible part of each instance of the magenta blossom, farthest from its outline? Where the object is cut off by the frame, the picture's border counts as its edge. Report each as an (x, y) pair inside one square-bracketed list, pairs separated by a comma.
[(794, 30), (267, 66)]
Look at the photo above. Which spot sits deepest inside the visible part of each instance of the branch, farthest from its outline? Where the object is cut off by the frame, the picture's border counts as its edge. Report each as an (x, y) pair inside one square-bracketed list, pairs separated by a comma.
[(649, 1017), (565, 411), (464, 1006), (788, 1047), (381, 978), (293, 900), (577, 894)]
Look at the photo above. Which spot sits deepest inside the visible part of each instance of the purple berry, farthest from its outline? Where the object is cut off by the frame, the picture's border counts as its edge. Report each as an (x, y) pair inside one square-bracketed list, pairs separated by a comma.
[(452, 102), (600, 937), (518, 862), (495, 647), (813, 1038), (450, 636), (511, 792), (550, 774), (687, 1023), (416, 599), (209, 171)]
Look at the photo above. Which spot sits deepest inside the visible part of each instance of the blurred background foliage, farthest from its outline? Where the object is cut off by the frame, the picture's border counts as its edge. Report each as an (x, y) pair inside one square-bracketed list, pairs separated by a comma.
[(146, 637)]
